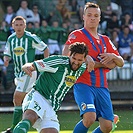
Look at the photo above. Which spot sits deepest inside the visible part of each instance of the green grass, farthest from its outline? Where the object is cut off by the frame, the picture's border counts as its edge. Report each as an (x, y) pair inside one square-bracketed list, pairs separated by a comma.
[(68, 119), (70, 131)]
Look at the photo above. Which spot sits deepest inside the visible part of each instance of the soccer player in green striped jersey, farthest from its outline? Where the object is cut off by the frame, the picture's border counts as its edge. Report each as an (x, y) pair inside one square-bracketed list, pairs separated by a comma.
[(57, 75), (21, 46)]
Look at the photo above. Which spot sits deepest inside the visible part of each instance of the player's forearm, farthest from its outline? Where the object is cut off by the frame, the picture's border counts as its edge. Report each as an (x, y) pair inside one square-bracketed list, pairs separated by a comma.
[(46, 52), (90, 63), (110, 65), (118, 60), (107, 58), (65, 50), (98, 65)]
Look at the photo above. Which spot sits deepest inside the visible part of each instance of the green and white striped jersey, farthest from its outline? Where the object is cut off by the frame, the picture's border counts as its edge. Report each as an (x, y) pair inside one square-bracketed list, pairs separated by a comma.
[(56, 78), (22, 50)]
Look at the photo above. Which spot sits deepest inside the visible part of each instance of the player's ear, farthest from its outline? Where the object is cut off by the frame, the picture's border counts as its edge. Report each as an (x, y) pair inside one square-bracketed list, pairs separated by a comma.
[(83, 17), (85, 59), (100, 18), (25, 26), (13, 25)]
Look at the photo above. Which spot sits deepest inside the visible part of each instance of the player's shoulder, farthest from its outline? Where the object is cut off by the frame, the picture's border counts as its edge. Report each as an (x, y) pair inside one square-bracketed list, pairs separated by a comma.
[(12, 36), (27, 33), (76, 35), (76, 32), (104, 36), (60, 57), (31, 35), (57, 59)]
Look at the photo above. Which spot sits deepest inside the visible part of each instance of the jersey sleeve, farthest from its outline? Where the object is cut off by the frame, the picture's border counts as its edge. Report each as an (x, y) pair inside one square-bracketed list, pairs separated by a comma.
[(111, 47), (38, 43), (7, 51), (42, 66), (73, 37)]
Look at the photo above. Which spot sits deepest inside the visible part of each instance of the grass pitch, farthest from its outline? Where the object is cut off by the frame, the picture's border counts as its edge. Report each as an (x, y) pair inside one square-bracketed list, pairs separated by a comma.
[(70, 131), (68, 119)]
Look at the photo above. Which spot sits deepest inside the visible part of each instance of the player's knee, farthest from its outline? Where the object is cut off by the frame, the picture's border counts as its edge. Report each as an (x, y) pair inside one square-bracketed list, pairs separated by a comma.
[(17, 102), (31, 116), (88, 119), (18, 98), (88, 123)]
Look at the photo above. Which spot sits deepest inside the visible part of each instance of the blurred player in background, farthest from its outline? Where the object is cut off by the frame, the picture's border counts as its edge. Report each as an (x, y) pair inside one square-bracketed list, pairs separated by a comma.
[(91, 89), (21, 47)]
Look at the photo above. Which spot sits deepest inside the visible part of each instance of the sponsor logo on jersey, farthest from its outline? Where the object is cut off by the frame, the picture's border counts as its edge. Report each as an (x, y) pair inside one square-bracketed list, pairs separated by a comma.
[(19, 51), (70, 80), (83, 106), (72, 36), (87, 106), (40, 63), (90, 106)]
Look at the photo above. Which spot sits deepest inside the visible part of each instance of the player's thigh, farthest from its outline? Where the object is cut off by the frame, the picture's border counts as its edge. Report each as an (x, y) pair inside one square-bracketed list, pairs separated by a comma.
[(30, 115), (84, 97), (18, 98), (103, 104), (47, 117)]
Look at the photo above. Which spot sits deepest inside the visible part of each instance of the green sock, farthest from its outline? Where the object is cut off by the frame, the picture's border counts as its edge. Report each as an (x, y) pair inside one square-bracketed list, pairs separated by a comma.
[(22, 127), (17, 116), (114, 126)]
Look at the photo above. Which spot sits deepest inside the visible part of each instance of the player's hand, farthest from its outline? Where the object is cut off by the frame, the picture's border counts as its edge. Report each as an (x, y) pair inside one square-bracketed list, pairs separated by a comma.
[(6, 61), (28, 68), (110, 65), (90, 63), (106, 58)]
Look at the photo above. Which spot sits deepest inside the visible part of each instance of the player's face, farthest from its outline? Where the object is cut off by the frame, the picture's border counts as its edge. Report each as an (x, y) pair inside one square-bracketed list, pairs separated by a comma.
[(91, 17), (76, 60), (19, 27)]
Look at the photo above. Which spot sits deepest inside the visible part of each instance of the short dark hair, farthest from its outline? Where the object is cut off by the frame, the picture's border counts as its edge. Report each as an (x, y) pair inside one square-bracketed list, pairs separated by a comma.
[(89, 5), (79, 48)]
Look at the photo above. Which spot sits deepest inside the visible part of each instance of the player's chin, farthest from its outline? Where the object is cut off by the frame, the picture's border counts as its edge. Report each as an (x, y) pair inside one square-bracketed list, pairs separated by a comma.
[(75, 68)]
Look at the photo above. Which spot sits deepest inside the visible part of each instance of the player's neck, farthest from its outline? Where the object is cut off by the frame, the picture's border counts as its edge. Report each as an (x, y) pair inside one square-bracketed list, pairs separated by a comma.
[(93, 32), (19, 35)]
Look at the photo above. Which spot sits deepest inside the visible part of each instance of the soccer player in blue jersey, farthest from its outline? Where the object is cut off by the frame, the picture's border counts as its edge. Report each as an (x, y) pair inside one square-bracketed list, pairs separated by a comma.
[(57, 76), (20, 47)]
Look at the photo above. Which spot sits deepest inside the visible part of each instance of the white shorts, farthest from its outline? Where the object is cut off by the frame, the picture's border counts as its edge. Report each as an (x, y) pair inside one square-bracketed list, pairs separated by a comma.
[(53, 46), (25, 83), (36, 102)]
